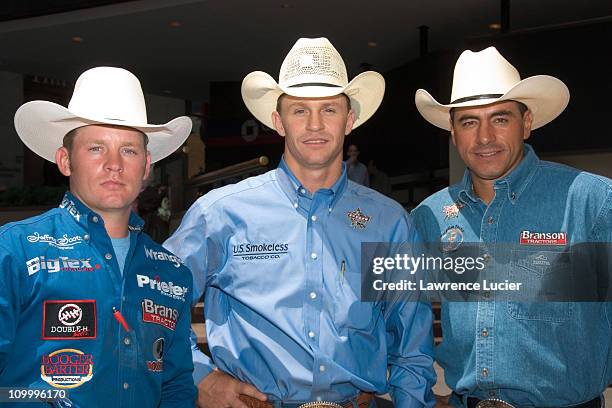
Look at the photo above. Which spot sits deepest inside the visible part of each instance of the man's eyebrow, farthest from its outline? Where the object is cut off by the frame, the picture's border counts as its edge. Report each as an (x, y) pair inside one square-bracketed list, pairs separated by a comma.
[(504, 112), (467, 116)]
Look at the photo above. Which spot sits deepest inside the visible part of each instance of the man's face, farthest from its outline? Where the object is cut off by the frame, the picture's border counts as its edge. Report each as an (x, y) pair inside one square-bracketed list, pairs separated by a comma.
[(490, 138), (314, 130), (107, 167)]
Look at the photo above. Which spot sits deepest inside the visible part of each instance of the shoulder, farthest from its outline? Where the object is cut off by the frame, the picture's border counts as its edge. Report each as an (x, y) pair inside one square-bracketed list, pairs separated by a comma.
[(18, 228), (250, 186), (438, 199), (587, 184), (366, 194)]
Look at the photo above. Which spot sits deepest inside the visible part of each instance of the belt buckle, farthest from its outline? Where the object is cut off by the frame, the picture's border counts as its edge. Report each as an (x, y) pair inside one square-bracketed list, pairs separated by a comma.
[(320, 404), (493, 403)]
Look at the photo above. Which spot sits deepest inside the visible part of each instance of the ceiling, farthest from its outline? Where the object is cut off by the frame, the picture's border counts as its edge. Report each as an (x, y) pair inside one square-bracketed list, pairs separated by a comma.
[(177, 46)]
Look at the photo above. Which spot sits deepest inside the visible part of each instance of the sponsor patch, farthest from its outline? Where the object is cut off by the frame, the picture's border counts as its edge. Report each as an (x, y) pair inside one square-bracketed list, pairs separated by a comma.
[(163, 256), (543, 238), (69, 319), (452, 238), (66, 368), (71, 208), (358, 219), (159, 314), (452, 210), (157, 365), (260, 250), (63, 242), (60, 264), (164, 288)]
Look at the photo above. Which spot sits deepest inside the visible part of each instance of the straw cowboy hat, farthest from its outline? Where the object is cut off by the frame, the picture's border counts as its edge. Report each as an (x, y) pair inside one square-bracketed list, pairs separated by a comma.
[(102, 96), (312, 69), (486, 77)]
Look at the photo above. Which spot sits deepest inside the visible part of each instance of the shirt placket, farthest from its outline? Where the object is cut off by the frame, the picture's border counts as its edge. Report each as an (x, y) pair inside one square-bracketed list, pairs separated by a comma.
[(485, 317)]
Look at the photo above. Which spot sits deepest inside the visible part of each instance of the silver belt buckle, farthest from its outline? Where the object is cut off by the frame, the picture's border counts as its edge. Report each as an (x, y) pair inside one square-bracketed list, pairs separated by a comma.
[(494, 403), (320, 404)]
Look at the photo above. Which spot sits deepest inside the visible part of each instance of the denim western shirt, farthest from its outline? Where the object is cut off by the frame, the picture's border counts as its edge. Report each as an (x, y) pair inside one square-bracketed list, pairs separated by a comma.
[(59, 283), (280, 268), (529, 354)]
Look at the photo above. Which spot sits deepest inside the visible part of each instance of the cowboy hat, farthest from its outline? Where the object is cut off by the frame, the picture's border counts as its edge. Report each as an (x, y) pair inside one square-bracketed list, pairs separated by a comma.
[(102, 96), (313, 69), (486, 77)]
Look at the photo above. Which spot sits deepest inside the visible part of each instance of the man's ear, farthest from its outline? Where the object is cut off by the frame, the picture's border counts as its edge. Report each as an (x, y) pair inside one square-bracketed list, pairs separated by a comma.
[(350, 121), (452, 130), (62, 159), (278, 124), (147, 167), (527, 123)]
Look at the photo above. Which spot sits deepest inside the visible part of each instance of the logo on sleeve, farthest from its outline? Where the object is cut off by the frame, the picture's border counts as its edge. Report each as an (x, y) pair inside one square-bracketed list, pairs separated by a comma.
[(69, 319), (70, 206), (163, 256), (159, 314), (543, 238)]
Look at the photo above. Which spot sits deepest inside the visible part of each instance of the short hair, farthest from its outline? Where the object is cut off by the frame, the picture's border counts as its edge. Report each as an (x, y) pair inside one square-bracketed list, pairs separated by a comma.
[(68, 140), (278, 101), (521, 106)]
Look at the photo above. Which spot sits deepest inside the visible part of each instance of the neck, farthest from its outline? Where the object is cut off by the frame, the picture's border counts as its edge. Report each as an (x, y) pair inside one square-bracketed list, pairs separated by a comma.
[(116, 223), (484, 189), (316, 178)]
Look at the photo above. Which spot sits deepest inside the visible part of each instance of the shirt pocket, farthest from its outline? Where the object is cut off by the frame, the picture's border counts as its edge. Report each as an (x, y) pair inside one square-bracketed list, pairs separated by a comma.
[(349, 311), (545, 274)]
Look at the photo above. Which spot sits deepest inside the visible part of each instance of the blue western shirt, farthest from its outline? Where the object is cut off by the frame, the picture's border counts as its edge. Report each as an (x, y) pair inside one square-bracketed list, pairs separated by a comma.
[(530, 354), (280, 268), (59, 283)]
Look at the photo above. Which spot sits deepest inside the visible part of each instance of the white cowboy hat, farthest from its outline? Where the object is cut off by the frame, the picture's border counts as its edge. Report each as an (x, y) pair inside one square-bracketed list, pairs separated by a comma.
[(312, 69), (486, 77), (102, 95)]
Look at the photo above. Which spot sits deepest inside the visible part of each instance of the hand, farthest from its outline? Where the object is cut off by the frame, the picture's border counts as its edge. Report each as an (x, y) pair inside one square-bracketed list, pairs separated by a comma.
[(220, 390), (442, 401)]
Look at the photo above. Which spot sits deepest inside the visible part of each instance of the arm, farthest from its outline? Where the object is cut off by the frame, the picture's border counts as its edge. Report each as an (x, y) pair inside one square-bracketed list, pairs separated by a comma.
[(410, 342), (9, 303), (177, 382)]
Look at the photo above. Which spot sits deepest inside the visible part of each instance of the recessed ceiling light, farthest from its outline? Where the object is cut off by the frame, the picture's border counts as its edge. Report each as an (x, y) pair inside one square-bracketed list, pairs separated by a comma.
[(372, 44), (175, 24), (285, 5), (494, 26), (77, 39)]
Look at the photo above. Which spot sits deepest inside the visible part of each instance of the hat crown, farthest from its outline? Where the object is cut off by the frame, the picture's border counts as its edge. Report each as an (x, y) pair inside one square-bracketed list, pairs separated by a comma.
[(109, 93), (482, 73), (313, 61)]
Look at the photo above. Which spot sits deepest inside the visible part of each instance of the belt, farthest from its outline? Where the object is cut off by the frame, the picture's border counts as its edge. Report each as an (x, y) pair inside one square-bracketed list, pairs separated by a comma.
[(497, 403), (363, 401)]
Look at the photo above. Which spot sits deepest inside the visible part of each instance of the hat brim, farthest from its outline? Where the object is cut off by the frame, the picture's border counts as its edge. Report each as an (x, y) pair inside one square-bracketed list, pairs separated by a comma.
[(42, 125), (260, 93), (545, 96)]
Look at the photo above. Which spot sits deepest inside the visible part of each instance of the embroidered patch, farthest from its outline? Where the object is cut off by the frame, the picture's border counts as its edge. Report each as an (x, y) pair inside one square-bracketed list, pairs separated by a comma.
[(66, 368), (157, 365), (358, 219), (451, 238), (452, 210), (69, 319), (543, 238)]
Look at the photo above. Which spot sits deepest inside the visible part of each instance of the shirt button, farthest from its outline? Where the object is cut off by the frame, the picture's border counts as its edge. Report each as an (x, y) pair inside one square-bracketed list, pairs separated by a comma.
[(513, 196), (321, 368), (313, 295), (490, 220), (126, 386), (485, 372), (86, 237), (94, 219), (108, 256), (302, 191), (126, 341), (295, 205), (486, 257), (311, 334), (123, 298), (313, 255), (486, 295), (485, 332), (313, 218)]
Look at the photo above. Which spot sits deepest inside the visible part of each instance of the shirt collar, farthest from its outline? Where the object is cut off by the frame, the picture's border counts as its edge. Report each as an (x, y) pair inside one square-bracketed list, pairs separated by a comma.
[(83, 215), (291, 186), (516, 181)]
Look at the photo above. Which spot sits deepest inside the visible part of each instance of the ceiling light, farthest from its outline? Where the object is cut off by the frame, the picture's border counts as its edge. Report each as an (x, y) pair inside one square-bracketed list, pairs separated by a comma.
[(175, 24), (494, 26), (285, 5), (372, 44), (77, 39)]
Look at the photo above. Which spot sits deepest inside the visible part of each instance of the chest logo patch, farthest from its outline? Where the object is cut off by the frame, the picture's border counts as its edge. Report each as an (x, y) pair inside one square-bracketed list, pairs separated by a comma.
[(452, 238), (452, 210), (358, 219), (543, 238)]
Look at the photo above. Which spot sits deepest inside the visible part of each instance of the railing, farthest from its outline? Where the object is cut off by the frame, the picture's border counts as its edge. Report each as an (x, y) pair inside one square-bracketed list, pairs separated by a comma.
[(235, 170)]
